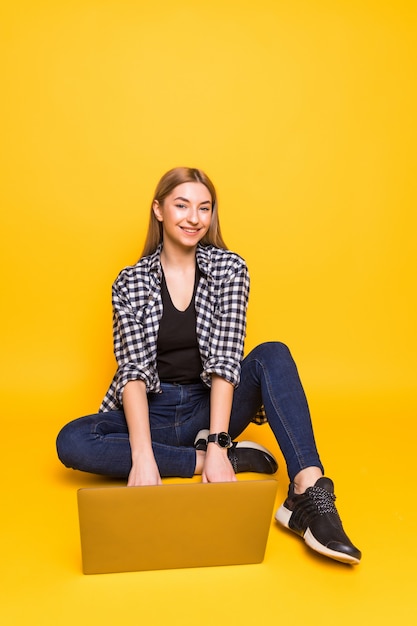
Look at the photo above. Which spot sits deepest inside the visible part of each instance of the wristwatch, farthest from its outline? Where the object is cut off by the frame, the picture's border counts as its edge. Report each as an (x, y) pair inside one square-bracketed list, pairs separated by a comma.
[(223, 440)]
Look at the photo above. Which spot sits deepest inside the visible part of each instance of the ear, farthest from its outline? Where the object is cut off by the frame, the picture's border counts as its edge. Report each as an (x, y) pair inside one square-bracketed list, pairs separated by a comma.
[(157, 211)]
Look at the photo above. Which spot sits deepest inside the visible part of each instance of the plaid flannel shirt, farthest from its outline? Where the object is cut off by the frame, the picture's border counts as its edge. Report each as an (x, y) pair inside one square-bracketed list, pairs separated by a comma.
[(221, 301)]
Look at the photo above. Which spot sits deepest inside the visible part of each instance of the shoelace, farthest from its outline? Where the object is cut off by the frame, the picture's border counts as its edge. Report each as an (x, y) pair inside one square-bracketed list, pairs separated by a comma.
[(323, 499)]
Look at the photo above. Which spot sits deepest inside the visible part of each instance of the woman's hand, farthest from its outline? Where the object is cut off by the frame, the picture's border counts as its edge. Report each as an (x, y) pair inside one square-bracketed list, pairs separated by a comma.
[(144, 472), (217, 467)]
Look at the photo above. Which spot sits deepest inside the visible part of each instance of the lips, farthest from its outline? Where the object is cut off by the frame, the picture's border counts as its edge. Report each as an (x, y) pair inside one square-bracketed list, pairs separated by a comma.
[(190, 231)]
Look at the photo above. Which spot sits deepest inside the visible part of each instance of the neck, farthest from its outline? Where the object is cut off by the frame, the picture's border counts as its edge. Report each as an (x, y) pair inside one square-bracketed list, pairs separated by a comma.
[(174, 257)]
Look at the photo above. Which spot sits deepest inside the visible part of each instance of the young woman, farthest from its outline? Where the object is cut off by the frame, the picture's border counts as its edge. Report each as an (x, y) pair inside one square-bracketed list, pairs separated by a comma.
[(182, 391)]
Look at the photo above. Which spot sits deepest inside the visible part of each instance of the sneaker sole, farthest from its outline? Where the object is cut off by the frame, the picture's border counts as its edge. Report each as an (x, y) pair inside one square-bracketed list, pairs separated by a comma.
[(283, 516), (253, 445)]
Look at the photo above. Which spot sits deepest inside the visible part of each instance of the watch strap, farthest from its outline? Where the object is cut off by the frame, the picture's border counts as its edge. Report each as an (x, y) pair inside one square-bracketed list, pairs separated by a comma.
[(219, 438)]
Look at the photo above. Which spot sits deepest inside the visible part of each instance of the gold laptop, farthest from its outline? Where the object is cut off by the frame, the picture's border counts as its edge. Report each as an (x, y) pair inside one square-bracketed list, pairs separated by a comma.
[(127, 529)]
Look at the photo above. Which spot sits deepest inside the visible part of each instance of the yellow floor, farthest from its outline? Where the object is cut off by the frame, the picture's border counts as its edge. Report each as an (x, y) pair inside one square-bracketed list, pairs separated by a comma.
[(368, 450), (303, 113)]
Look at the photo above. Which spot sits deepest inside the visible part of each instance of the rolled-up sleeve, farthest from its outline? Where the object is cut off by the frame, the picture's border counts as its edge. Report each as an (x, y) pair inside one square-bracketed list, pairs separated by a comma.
[(228, 325), (130, 336)]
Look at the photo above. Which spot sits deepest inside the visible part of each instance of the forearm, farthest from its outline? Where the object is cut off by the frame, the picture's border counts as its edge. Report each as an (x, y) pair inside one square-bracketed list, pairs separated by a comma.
[(135, 405), (217, 467), (221, 399), (144, 469)]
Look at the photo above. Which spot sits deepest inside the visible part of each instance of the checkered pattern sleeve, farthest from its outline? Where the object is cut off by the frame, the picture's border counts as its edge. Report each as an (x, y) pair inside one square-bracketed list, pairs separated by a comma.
[(222, 327), (135, 325)]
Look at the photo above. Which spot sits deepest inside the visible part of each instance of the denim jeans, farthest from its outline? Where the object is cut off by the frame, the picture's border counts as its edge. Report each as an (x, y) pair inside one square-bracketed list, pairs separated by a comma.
[(99, 443)]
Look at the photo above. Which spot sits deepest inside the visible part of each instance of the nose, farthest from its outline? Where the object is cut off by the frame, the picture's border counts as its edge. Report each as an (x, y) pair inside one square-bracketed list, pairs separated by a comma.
[(192, 215)]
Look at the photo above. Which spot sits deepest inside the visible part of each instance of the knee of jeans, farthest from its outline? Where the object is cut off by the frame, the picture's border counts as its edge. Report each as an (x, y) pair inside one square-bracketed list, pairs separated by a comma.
[(274, 350), (68, 445), (62, 445)]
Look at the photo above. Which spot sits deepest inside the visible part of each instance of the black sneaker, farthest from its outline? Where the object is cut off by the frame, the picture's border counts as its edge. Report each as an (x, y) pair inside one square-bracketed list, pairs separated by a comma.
[(248, 456), (245, 456), (313, 515)]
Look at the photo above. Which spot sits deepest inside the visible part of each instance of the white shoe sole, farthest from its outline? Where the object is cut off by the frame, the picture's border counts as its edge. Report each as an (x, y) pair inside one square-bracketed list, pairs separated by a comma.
[(283, 517), (202, 434), (254, 446)]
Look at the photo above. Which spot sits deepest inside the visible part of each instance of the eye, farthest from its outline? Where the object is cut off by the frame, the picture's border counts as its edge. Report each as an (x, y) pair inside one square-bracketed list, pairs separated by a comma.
[(205, 208), (180, 206)]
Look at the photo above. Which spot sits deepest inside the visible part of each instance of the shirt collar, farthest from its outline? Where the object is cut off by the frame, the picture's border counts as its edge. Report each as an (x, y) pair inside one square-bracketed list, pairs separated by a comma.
[(155, 263), (203, 257)]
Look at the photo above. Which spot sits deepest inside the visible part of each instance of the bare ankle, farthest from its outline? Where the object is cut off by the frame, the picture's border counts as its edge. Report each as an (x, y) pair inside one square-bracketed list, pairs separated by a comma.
[(200, 456), (306, 478)]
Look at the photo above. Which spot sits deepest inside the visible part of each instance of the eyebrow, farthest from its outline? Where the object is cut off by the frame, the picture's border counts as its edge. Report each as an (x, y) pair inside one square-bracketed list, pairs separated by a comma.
[(186, 200)]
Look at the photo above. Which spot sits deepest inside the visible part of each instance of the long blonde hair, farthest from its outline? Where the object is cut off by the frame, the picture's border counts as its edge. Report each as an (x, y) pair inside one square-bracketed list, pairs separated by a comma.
[(168, 182)]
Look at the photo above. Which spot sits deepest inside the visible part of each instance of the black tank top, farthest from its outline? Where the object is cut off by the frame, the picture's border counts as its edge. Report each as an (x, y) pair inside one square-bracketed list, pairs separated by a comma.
[(178, 356)]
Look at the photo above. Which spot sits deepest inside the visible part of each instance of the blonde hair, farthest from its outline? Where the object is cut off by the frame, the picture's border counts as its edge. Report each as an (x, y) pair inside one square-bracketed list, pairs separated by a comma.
[(168, 182)]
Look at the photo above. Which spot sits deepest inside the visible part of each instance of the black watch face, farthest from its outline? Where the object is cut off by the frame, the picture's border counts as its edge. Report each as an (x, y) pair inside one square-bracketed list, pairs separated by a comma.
[(223, 439)]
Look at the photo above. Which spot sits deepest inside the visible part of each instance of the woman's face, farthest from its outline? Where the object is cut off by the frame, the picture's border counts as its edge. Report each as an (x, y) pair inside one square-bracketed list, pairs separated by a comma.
[(185, 214)]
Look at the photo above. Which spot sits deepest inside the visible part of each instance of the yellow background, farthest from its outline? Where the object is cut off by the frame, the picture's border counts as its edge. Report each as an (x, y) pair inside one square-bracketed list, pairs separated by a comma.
[(303, 113)]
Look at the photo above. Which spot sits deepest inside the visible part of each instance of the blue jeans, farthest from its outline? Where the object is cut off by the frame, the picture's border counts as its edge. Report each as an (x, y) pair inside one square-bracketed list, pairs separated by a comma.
[(100, 443)]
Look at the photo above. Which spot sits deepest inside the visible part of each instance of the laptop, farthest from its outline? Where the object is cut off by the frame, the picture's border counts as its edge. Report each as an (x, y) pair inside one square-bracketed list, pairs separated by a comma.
[(126, 529)]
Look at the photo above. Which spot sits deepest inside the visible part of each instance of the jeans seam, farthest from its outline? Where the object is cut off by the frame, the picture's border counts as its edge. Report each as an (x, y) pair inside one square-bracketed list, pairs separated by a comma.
[(95, 427)]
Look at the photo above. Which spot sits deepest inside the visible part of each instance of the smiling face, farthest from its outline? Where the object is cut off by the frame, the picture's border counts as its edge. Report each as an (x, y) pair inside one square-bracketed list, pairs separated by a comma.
[(185, 215)]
